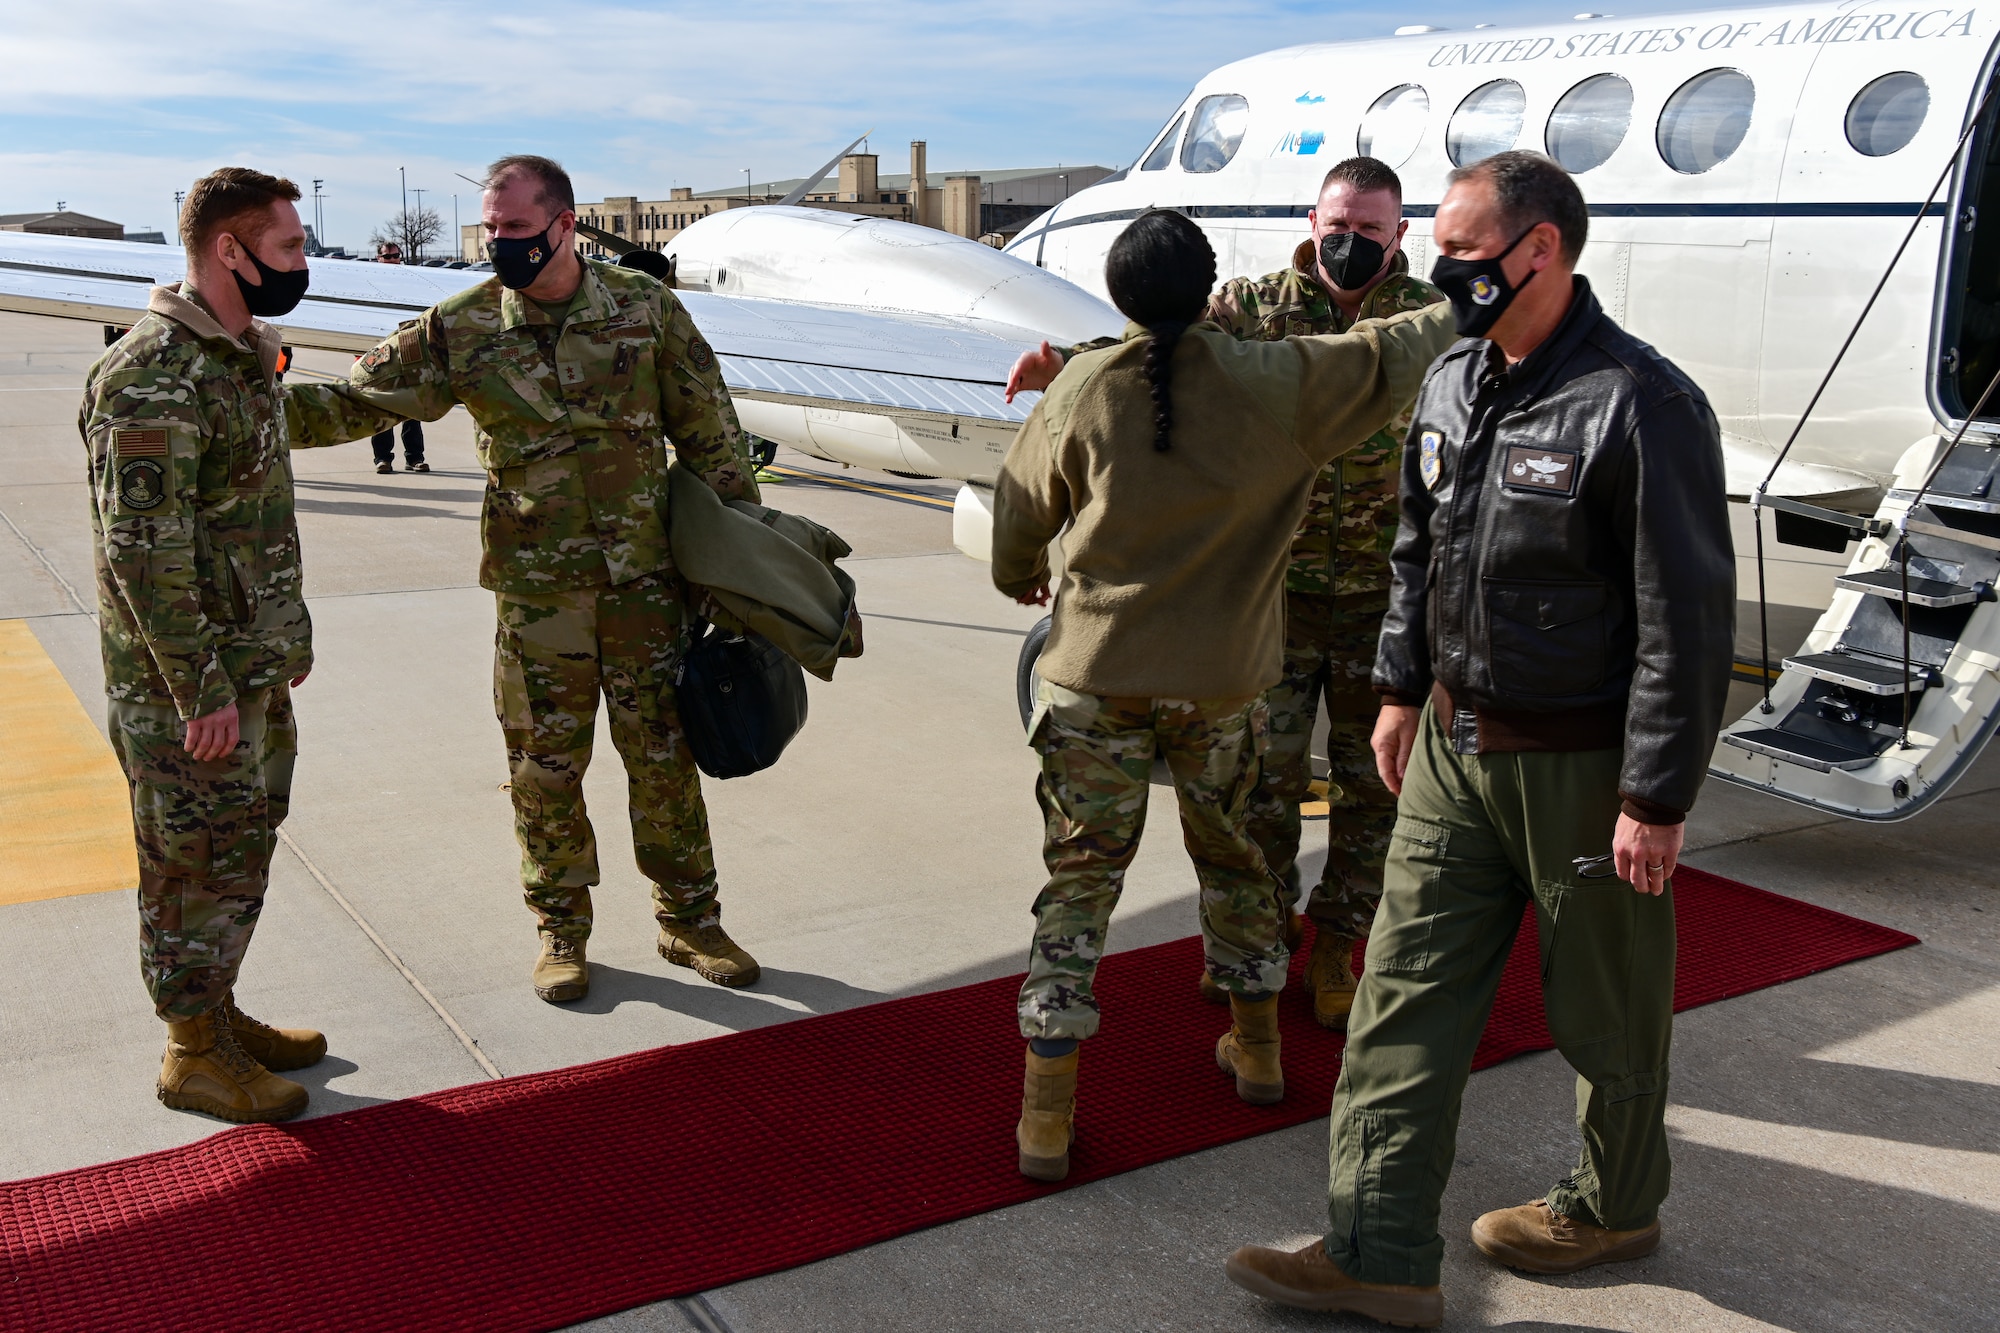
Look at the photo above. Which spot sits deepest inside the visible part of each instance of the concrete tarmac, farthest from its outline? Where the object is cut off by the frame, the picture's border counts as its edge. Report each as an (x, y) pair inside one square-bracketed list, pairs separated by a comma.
[(1837, 1162)]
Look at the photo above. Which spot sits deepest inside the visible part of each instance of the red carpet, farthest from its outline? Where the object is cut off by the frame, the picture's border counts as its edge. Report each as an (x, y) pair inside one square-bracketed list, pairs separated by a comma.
[(454, 1211)]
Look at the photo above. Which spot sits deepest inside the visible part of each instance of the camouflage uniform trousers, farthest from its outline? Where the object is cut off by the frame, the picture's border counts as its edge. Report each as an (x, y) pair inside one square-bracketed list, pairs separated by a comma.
[(1097, 756), (1329, 654), (206, 833), (554, 653)]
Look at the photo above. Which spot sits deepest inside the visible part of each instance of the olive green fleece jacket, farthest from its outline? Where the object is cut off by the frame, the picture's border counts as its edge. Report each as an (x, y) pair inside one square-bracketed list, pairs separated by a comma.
[(1174, 563)]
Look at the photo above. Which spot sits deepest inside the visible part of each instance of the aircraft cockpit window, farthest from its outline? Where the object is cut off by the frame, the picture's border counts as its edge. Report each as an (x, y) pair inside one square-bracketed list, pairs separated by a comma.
[(1163, 151), (1590, 122), (1705, 120), (1217, 132), (1887, 114), (1488, 121), (1394, 125)]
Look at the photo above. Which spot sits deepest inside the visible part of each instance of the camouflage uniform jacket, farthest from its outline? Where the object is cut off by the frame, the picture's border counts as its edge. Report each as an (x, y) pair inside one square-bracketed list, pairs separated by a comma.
[(197, 545), (1342, 545), (573, 419)]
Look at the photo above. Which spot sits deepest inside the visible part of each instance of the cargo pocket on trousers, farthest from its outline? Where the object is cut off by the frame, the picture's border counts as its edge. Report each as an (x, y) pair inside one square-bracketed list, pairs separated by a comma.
[(1587, 934), (510, 689), (1400, 940)]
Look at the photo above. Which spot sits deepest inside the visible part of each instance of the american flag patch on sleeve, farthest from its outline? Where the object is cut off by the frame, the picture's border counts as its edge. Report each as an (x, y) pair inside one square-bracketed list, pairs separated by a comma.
[(143, 442)]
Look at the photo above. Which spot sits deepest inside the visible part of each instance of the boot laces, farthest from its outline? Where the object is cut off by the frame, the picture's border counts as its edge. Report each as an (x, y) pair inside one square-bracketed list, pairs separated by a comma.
[(227, 1049), (242, 1022)]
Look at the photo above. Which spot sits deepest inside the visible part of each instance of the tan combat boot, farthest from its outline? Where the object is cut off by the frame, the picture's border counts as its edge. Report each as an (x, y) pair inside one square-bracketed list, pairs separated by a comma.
[(1309, 1280), (1249, 1050), (560, 971), (709, 951), (1330, 977), (206, 1069), (274, 1048), (1295, 931), (1048, 1116), (1538, 1239)]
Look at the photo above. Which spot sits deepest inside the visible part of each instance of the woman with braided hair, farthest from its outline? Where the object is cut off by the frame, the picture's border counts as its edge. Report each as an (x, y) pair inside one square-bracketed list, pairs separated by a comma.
[(1176, 466)]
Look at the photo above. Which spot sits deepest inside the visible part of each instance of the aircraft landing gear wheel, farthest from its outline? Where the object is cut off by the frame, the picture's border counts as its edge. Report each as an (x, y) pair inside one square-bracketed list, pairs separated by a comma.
[(1024, 669)]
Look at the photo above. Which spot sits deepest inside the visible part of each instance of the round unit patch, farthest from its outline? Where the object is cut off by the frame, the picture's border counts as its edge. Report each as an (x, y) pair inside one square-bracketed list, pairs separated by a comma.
[(700, 357), (142, 484)]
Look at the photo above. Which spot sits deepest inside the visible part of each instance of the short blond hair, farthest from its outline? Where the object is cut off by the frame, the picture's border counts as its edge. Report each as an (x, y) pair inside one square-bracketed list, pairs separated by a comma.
[(226, 194)]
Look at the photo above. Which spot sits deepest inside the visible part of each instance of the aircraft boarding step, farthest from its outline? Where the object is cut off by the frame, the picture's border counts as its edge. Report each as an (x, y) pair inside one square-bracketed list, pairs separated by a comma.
[(1833, 737), (1855, 671), (1923, 592)]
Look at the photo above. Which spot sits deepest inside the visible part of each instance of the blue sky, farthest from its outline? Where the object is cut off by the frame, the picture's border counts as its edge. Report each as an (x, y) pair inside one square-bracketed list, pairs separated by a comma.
[(113, 107)]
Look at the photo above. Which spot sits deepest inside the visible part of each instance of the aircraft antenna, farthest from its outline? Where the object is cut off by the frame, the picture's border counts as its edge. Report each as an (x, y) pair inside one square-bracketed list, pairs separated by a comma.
[(1758, 498)]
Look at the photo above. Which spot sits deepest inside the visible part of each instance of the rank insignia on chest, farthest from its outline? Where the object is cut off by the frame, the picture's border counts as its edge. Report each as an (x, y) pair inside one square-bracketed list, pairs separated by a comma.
[(1430, 457), (142, 484), (570, 372)]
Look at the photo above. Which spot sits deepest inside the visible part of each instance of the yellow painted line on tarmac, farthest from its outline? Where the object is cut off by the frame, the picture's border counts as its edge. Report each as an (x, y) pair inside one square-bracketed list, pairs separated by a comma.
[(891, 492), (65, 816)]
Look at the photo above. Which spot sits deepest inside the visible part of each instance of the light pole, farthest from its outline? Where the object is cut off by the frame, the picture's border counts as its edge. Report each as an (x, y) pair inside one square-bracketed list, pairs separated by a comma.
[(403, 175), (319, 216), (746, 187), (420, 213)]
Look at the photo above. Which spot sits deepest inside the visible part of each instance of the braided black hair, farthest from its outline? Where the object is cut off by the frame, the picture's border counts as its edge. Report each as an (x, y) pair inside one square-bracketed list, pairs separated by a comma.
[(1159, 273)]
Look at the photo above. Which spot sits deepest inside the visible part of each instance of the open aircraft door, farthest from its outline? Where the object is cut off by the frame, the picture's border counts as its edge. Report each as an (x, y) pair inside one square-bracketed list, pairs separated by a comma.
[(1897, 689)]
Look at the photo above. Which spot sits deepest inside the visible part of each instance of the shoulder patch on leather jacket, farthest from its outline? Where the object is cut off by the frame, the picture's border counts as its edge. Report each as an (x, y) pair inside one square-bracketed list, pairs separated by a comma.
[(1543, 471), (1430, 457)]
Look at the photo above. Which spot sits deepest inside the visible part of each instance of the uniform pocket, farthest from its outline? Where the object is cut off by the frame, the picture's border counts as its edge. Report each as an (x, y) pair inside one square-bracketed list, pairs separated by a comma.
[(1547, 639), (1400, 940)]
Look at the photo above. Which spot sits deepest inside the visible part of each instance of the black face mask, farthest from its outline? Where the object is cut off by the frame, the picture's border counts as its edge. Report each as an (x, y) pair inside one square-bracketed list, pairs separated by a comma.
[(1350, 259), (280, 292), (519, 260), (1478, 289)]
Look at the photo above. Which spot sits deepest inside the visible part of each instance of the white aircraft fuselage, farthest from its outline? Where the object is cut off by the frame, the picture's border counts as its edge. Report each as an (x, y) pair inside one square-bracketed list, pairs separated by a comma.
[(1748, 273)]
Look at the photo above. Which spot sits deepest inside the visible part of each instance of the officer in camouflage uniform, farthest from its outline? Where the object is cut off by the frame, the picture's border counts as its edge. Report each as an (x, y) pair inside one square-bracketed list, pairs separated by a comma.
[(578, 375), (1336, 590), (203, 625)]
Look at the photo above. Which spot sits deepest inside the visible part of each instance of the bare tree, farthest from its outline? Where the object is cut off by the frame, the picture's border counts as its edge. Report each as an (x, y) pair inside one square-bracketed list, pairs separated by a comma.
[(410, 230)]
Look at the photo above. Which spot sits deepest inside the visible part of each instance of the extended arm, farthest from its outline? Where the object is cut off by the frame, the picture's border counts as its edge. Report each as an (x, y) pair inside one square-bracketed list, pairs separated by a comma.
[(403, 377), (1354, 383)]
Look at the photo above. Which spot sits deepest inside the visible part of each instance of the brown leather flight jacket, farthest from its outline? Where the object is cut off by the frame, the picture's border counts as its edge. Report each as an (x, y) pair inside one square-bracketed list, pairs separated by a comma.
[(1564, 569)]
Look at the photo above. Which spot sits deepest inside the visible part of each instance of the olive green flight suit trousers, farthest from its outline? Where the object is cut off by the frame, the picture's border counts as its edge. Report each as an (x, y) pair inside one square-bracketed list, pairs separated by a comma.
[(1478, 837)]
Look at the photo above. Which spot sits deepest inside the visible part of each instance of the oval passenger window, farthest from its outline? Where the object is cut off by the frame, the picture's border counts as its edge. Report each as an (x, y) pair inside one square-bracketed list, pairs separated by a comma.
[(1590, 122), (1488, 121), (1886, 115), (1705, 120), (1394, 125), (1216, 133), (1163, 151)]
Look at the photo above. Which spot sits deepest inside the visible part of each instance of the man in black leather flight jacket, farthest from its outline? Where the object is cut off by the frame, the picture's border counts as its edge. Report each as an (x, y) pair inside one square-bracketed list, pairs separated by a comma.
[(1553, 668)]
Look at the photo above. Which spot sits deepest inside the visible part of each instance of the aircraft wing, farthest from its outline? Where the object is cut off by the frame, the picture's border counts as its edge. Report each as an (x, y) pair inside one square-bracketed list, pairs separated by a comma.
[(769, 350)]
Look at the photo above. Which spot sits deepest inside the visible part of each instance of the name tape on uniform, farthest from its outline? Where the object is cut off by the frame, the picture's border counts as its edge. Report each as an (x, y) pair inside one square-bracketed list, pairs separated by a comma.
[(1544, 471)]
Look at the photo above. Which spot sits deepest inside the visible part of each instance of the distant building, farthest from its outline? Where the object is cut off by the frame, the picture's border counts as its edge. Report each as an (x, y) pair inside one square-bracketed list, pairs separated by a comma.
[(146, 237), (970, 204), (63, 222)]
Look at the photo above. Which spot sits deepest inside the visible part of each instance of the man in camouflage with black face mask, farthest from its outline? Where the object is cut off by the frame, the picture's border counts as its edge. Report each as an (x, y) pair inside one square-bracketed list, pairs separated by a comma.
[(579, 376), (1350, 268), (203, 618)]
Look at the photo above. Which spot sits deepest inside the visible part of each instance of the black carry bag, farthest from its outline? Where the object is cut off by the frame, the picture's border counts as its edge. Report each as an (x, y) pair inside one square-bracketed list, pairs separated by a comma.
[(741, 701)]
